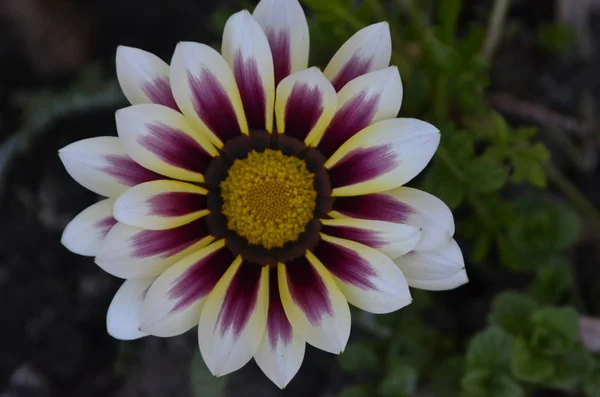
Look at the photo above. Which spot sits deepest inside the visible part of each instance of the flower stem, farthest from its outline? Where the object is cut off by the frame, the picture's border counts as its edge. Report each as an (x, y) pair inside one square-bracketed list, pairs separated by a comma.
[(581, 203), (495, 29)]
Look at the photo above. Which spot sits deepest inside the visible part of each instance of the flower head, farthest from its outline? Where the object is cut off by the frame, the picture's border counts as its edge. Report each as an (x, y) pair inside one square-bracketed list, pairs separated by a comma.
[(256, 198)]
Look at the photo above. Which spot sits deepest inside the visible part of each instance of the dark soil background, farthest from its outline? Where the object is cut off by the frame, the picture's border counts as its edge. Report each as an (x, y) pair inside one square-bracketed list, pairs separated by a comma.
[(53, 340)]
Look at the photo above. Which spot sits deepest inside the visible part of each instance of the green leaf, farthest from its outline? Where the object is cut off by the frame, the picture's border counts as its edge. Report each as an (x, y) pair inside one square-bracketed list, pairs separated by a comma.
[(355, 391), (400, 381), (568, 226), (553, 281), (571, 369), (511, 311), (490, 349), (556, 37), (448, 13), (447, 376), (591, 384), (561, 322), (358, 357), (485, 176), (529, 366), (507, 252), (481, 249), (440, 182), (204, 384), (486, 383)]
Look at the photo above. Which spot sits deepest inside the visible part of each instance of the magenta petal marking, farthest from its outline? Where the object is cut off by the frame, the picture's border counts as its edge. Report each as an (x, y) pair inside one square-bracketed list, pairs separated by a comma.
[(280, 49), (166, 243), (352, 69), (200, 278), (380, 207), (240, 299), (278, 325), (251, 90), (366, 237), (176, 203), (303, 109), (159, 91), (127, 171), (362, 165), (175, 147), (308, 290), (104, 225), (213, 106), (352, 117), (345, 264)]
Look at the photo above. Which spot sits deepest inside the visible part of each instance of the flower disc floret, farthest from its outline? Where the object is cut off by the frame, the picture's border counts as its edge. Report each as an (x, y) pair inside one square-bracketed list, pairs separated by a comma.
[(268, 198)]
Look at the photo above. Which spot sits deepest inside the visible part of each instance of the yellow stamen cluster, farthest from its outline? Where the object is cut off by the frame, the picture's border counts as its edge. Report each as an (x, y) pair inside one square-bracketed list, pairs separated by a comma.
[(268, 198)]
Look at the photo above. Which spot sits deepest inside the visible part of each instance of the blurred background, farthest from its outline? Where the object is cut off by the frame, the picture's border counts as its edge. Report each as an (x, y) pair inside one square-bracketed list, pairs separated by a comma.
[(514, 86)]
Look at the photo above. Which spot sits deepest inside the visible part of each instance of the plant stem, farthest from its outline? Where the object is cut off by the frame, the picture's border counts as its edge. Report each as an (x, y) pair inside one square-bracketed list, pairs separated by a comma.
[(495, 29), (582, 204)]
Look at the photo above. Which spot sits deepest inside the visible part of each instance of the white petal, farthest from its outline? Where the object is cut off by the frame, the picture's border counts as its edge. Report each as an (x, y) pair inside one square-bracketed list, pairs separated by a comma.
[(174, 302), (306, 103), (85, 233), (131, 252), (123, 317), (434, 270), (313, 303), (206, 92), (246, 49), (383, 156), (428, 212), (391, 239), (367, 50), (406, 206), (365, 100), (281, 351), (286, 28), (144, 77), (102, 166), (160, 205), (281, 360), (234, 318), (368, 279), (162, 140)]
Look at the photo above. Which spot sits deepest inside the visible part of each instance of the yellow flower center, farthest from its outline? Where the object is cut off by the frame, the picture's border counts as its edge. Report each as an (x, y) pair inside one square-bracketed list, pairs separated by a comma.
[(268, 198)]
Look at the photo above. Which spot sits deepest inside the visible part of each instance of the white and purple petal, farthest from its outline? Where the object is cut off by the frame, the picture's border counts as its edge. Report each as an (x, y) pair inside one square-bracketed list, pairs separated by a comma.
[(403, 205), (163, 141), (367, 50), (368, 278), (101, 165), (206, 91), (286, 28), (392, 239), (162, 204), (365, 100), (234, 317), (314, 304), (247, 51), (131, 252), (383, 156), (85, 233), (174, 302), (434, 270), (123, 316), (144, 77), (306, 103), (281, 351)]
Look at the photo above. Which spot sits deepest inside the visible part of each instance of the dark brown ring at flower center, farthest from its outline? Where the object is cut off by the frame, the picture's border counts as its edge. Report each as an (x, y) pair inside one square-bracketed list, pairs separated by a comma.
[(239, 148)]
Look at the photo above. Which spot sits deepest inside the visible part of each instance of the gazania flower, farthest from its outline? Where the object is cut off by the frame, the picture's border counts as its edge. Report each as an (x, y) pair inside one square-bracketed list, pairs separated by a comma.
[(256, 198)]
